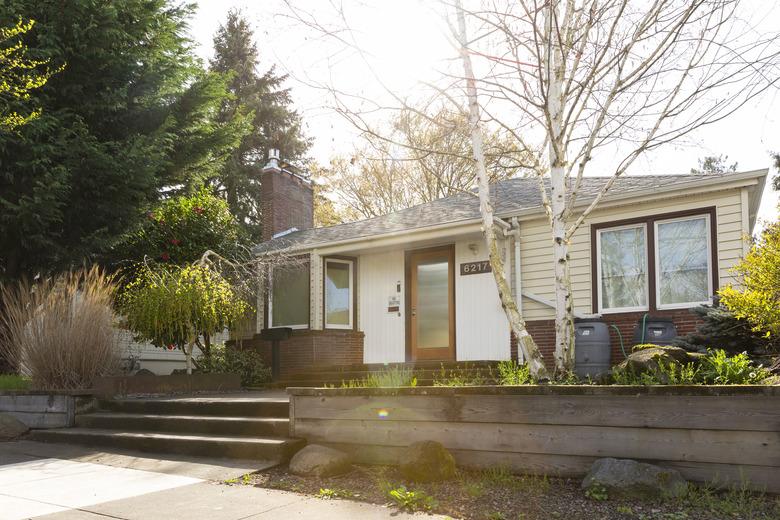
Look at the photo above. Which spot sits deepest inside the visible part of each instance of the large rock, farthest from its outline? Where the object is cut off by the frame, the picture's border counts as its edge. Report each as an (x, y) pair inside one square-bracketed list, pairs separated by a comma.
[(646, 359), (320, 461), (11, 427), (426, 461), (629, 478)]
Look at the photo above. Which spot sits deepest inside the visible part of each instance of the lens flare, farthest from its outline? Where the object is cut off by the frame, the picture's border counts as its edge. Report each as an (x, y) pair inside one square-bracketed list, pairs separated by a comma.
[(382, 413)]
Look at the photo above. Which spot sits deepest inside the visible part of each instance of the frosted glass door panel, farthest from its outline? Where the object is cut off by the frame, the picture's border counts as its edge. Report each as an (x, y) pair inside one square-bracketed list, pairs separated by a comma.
[(433, 312)]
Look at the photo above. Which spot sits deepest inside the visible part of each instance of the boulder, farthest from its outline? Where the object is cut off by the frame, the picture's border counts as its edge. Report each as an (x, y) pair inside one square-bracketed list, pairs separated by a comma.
[(646, 359), (629, 478), (11, 427), (320, 461), (426, 461)]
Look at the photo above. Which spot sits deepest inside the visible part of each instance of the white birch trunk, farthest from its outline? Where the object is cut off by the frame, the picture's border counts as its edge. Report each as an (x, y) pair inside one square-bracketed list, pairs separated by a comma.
[(564, 321), (524, 340)]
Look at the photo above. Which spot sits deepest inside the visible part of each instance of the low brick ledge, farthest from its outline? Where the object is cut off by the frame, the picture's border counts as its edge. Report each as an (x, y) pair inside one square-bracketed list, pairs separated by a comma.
[(683, 390)]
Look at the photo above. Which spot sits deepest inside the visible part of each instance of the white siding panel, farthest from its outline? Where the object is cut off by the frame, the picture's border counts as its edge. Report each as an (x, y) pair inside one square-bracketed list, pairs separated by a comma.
[(378, 275), (482, 330)]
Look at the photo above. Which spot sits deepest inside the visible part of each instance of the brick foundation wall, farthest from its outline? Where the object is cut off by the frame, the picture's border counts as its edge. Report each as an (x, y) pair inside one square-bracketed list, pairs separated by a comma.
[(310, 348), (543, 331)]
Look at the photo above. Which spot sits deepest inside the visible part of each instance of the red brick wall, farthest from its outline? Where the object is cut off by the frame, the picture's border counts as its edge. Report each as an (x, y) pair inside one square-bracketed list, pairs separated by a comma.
[(310, 348), (286, 202), (543, 331)]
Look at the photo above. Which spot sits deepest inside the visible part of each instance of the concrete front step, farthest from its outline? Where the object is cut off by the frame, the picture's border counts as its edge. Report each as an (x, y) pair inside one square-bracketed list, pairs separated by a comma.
[(270, 449), (208, 407), (187, 424)]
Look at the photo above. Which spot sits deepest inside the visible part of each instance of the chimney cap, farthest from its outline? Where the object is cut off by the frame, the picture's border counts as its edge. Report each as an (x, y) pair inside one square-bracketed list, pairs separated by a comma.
[(273, 160)]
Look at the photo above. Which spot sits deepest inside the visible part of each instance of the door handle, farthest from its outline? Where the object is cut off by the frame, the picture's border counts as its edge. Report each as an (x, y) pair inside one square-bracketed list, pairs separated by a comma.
[(414, 311)]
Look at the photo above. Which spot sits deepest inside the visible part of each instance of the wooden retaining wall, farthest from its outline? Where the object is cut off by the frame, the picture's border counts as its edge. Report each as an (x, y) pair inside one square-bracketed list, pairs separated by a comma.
[(723, 435)]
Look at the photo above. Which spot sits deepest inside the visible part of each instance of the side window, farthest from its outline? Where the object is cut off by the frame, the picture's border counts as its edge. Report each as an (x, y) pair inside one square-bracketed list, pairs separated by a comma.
[(339, 293), (289, 296)]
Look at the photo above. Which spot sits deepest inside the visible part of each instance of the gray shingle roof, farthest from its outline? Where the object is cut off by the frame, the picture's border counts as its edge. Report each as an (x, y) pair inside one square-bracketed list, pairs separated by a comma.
[(511, 196)]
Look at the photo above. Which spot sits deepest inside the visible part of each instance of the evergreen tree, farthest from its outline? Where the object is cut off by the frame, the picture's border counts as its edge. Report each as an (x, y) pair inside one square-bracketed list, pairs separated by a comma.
[(131, 115), (275, 124)]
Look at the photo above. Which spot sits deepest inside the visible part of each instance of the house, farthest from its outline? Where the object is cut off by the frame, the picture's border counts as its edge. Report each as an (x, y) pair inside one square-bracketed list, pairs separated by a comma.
[(415, 284)]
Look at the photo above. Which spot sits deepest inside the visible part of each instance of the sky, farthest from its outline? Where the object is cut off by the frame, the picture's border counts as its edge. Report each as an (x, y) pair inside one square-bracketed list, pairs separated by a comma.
[(406, 44)]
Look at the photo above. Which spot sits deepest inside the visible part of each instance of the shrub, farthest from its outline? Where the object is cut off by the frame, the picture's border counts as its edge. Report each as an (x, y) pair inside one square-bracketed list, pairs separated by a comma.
[(246, 363), (389, 377), (721, 328), (512, 373), (465, 376), (756, 299), (60, 330), (721, 369)]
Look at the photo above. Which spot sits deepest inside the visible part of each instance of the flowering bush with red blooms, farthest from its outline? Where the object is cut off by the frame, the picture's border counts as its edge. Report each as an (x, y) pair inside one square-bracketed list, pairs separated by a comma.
[(182, 228)]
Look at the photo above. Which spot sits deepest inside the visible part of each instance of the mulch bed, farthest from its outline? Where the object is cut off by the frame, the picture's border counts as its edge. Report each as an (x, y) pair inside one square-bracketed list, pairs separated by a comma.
[(497, 495)]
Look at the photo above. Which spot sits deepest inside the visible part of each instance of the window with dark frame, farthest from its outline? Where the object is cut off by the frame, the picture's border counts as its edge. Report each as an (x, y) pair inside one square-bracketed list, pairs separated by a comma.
[(654, 263), (288, 296), (339, 293)]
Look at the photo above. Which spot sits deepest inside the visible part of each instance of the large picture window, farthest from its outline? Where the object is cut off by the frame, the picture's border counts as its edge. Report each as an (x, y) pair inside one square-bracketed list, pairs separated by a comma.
[(682, 259), (339, 298), (289, 296), (622, 256), (660, 262)]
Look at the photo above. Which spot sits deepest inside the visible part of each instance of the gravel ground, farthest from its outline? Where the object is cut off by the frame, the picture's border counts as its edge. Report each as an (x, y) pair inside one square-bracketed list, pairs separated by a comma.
[(497, 495)]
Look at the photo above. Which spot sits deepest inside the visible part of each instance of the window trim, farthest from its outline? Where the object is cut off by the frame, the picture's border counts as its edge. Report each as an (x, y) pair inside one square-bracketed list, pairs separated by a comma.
[(710, 291), (614, 310), (352, 292), (649, 220), (270, 313)]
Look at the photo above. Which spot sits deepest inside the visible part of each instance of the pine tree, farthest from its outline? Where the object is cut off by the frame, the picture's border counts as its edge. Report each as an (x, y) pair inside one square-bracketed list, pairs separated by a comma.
[(275, 124), (131, 115)]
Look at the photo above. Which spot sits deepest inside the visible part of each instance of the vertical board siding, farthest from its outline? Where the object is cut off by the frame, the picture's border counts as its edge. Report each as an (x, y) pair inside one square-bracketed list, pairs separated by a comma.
[(482, 330), (378, 274), (536, 251), (733, 439)]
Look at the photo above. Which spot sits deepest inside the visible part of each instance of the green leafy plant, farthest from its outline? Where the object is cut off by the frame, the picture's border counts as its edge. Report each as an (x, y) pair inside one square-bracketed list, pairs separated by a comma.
[(597, 492), (759, 285), (330, 494), (173, 307), (511, 373), (412, 500), (736, 501), (233, 360), (721, 369), (388, 378)]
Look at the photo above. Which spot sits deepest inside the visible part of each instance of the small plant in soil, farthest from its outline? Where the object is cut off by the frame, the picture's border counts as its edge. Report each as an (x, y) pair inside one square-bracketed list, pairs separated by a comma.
[(412, 500), (329, 494), (597, 492)]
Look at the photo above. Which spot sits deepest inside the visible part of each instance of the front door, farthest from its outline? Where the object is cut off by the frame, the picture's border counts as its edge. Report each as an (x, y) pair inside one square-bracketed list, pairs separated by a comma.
[(432, 304)]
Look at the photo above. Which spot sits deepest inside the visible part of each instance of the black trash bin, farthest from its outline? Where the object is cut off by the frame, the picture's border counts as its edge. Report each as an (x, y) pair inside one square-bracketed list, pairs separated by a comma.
[(655, 330), (592, 347)]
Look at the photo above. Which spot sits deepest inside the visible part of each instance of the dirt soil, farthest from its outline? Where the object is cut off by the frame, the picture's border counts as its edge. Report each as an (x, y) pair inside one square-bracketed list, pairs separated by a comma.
[(498, 495)]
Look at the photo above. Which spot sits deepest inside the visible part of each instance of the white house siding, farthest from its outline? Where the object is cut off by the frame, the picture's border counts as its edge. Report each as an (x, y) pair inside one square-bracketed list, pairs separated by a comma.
[(158, 360), (482, 330), (536, 253), (378, 276)]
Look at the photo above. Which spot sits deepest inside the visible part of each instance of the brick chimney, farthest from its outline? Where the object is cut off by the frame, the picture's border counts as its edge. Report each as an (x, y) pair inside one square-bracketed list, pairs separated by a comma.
[(286, 199)]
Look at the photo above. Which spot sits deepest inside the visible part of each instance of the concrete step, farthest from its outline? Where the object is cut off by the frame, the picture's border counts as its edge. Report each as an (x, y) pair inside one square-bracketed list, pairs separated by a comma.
[(210, 407), (187, 424), (270, 449)]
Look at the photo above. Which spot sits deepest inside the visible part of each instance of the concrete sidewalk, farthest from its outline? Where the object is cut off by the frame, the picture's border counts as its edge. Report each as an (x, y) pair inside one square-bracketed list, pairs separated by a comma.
[(63, 482), (209, 501)]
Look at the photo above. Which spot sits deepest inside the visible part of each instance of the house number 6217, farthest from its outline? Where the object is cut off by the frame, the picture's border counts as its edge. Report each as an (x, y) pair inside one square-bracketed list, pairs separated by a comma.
[(475, 268)]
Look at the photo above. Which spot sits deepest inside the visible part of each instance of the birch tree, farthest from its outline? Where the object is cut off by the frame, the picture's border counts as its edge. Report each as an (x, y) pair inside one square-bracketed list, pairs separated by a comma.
[(610, 76)]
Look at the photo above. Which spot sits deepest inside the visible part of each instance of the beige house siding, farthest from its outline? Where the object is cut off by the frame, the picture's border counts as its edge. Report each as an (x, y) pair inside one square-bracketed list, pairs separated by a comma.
[(536, 252)]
